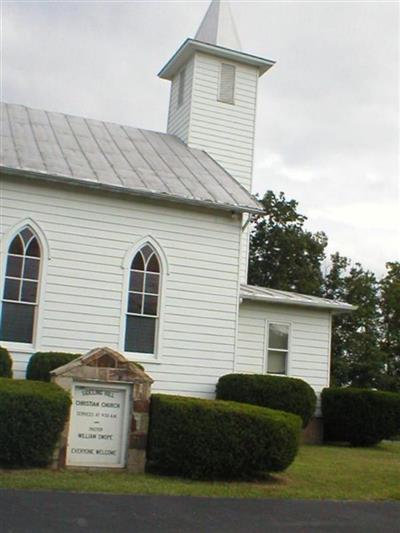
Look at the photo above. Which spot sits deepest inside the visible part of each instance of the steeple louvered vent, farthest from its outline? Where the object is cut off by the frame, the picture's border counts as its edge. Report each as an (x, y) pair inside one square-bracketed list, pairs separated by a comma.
[(227, 84), (181, 86)]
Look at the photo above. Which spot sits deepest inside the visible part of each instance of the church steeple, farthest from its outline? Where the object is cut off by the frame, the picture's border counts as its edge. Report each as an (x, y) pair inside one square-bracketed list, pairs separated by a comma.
[(213, 97), (218, 26)]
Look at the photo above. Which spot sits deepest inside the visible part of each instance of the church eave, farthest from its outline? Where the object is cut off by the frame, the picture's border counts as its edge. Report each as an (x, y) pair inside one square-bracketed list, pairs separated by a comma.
[(274, 296), (190, 46), (140, 193)]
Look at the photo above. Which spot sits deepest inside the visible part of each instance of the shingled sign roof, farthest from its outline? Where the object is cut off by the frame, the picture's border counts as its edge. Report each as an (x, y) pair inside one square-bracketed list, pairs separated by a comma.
[(54, 146)]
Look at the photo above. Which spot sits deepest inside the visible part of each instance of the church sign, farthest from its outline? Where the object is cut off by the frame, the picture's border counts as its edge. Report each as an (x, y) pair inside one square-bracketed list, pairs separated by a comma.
[(109, 416), (98, 425)]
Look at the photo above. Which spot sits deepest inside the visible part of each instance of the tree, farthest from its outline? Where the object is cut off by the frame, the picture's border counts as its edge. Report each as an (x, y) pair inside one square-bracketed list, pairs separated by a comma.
[(283, 254), (334, 289), (390, 338), (357, 358)]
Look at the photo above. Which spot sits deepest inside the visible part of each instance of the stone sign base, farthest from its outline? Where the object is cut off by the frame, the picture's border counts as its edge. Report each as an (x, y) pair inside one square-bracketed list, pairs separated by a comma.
[(109, 418)]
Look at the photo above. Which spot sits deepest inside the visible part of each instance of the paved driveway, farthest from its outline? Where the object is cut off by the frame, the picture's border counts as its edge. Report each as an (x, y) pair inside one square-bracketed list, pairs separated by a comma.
[(60, 512)]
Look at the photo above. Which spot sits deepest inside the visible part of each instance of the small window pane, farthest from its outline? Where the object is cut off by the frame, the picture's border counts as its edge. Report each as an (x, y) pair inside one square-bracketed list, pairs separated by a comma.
[(17, 322), (146, 251), (11, 289), (153, 265), (140, 334), (278, 336), (33, 249), (31, 268), (150, 305), (26, 235), (276, 362), (135, 302), (137, 262), (14, 266), (16, 246), (29, 290), (136, 281), (152, 281)]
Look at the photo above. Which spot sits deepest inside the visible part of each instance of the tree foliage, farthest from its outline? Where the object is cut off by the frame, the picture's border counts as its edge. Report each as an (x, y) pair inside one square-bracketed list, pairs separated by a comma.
[(390, 336), (356, 354), (283, 254)]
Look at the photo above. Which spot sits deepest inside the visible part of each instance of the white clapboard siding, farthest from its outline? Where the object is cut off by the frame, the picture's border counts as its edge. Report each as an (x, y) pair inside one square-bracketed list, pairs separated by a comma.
[(309, 340), (224, 130), (89, 235), (179, 115)]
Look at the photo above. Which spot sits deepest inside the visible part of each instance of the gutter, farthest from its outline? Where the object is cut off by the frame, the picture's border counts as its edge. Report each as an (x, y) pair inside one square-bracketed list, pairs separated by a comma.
[(344, 308), (79, 182)]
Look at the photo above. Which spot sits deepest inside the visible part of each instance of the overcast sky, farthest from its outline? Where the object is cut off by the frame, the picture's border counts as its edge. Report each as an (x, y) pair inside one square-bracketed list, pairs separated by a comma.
[(328, 111)]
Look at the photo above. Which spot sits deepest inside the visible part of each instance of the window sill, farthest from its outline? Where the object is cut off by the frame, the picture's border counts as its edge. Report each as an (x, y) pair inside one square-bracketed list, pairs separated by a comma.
[(138, 357), (19, 347)]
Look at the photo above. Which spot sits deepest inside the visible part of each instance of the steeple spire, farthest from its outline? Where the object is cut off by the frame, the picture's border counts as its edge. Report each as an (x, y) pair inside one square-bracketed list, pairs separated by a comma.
[(213, 98), (218, 26)]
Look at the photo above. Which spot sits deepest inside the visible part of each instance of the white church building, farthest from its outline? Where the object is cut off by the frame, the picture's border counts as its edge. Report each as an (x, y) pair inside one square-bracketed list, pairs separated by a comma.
[(138, 240)]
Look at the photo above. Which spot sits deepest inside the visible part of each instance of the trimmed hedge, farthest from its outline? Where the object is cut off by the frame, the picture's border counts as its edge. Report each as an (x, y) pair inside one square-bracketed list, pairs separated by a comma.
[(206, 439), (32, 415), (276, 392), (41, 364), (362, 417), (5, 363)]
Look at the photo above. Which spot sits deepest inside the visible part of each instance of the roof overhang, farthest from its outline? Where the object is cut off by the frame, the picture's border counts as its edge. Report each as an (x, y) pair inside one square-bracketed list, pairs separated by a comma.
[(273, 296), (191, 46), (91, 184)]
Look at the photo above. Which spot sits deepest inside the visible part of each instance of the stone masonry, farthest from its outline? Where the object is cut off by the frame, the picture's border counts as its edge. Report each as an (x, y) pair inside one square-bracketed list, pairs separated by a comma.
[(104, 365)]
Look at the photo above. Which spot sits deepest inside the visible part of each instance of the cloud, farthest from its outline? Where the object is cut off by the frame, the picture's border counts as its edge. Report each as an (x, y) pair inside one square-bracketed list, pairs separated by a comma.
[(272, 163), (362, 215), (328, 112)]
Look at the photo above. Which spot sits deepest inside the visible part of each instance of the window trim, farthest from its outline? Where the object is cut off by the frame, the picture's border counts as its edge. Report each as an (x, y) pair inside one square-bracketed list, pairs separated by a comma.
[(141, 357), (22, 347), (269, 322)]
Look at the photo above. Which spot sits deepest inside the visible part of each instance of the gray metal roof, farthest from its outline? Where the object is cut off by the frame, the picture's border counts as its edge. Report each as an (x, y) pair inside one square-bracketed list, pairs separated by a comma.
[(54, 146), (263, 294)]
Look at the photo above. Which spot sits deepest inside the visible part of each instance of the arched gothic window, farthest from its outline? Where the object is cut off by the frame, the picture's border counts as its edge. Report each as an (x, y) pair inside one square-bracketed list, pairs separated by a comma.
[(143, 302), (20, 291)]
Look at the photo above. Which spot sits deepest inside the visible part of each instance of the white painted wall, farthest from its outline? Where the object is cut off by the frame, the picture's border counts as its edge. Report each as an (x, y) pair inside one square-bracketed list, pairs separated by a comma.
[(89, 234), (179, 116), (224, 131), (309, 349)]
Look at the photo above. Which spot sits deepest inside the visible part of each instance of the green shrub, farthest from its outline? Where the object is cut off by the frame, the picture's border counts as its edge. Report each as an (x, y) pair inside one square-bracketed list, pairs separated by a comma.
[(205, 439), (276, 392), (5, 363), (360, 416), (41, 363), (32, 415)]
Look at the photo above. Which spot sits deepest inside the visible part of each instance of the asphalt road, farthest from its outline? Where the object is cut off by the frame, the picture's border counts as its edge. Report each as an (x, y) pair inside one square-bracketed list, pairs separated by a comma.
[(61, 512)]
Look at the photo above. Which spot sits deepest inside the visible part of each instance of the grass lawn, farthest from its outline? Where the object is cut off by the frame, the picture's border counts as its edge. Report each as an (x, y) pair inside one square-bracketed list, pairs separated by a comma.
[(319, 472)]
